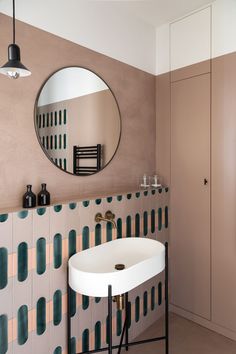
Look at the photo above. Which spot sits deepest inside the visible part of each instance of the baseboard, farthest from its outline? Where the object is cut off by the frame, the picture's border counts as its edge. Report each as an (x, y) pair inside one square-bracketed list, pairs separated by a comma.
[(203, 322)]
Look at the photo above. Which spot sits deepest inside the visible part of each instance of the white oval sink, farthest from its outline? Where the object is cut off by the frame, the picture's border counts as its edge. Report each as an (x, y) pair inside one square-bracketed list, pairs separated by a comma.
[(92, 270)]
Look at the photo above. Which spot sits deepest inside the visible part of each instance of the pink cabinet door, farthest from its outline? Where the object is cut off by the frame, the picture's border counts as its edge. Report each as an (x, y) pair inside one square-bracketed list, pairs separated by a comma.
[(190, 195)]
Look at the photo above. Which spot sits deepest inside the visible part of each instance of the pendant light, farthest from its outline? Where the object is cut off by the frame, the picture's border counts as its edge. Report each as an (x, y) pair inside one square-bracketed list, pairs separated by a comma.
[(14, 68)]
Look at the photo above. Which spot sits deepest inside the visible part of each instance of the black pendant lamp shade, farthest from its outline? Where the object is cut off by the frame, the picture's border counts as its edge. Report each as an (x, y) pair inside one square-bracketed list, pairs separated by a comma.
[(14, 68)]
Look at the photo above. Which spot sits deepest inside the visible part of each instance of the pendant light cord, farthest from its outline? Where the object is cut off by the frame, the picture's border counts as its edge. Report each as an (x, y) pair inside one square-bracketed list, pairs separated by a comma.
[(14, 24)]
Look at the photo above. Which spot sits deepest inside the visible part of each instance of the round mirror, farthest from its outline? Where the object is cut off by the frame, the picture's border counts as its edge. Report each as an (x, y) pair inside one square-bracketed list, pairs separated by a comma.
[(77, 120)]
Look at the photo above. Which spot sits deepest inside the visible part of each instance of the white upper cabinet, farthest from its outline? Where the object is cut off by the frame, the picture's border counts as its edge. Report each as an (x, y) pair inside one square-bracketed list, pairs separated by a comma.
[(190, 39)]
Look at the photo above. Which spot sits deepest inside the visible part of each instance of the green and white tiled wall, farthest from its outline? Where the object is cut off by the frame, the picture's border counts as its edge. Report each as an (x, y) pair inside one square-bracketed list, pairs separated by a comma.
[(34, 250)]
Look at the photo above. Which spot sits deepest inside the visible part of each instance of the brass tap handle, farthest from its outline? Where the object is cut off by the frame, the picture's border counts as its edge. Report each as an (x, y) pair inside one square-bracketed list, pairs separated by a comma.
[(109, 217)]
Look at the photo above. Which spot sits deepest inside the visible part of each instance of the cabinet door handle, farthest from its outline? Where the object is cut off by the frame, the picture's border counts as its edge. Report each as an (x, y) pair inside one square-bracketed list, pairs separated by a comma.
[(205, 181)]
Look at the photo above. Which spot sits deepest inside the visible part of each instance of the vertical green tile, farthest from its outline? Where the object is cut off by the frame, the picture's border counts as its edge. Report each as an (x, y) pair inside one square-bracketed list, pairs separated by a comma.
[(129, 314), (3, 217), (41, 255), (3, 267), (41, 211), (41, 315), (73, 345), (137, 309), (22, 214), (51, 142), (145, 303), (129, 196), (97, 300), (118, 322), (72, 242), (153, 298), (55, 119), (98, 234), (72, 295), (3, 334), (85, 340), (65, 166), (128, 226), (64, 141), (40, 121), (85, 238), (57, 251), (119, 228), (72, 206), (55, 142), (166, 217), (85, 302), (43, 120), (159, 219), (57, 307), (97, 334), (60, 117), (145, 223), (85, 203), (22, 261), (159, 293), (119, 198), (137, 194), (60, 142), (109, 231), (137, 225), (98, 201), (22, 325), (47, 142), (51, 119), (109, 199), (65, 117), (58, 350), (153, 222), (47, 123)]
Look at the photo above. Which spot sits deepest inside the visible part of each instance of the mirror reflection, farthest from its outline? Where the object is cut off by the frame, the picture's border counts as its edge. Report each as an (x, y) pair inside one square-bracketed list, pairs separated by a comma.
[(77, 121)]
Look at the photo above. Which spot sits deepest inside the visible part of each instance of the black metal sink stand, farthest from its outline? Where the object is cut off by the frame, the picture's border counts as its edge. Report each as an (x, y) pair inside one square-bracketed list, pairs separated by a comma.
[(125, 330)]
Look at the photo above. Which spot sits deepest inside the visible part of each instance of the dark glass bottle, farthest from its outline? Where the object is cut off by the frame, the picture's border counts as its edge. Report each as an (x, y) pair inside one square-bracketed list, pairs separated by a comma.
[(29, 198), (43, 196)]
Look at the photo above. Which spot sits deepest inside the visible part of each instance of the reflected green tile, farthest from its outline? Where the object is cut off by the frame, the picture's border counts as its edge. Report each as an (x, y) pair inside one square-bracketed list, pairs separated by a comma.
[(137, 225), (159, 293), (153, 191), (137, 194), (119, 228), (85, 203), (98, 335), (22, 214), (137, 309), (60, 118), (3, 217), (72, 242), (3, 267), (166, 217), (159, 219), (41, 255), (72, 206), (118, 322), (98, 234), (145, 303), (128, 226), (57, 251), (22, 261), (41, 211), (57, 307), (145, 193), (145, 223), (129, 196), (41, 316), (57, 208), (97, 300), (153, 298), (160, 190), (64, 116), (22, 325), (153, 221), (98, 201), (109, 199), (166, 189), (64, 141), (85, 340), (109, 231), (119, 198), (3, 334), (85, 238)]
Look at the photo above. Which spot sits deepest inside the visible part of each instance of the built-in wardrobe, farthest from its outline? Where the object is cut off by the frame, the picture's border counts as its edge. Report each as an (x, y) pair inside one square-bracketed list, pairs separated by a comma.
[(196, 133)]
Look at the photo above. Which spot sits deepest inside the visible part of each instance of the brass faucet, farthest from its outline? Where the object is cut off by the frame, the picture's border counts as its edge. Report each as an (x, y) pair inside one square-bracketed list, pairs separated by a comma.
[(109, 217)]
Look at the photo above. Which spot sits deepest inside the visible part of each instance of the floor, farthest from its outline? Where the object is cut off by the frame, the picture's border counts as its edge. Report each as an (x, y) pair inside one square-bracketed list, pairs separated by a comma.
[(186, 337)]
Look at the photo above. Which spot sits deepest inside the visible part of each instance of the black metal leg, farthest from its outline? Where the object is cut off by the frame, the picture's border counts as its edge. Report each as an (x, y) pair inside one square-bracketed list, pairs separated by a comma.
[(127, 321), (166, 300), (68, 316), (110, 319)]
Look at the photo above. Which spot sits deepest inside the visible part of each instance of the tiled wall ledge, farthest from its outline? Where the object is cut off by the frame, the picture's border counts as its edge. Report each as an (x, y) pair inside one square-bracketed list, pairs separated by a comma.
[(34, 249)]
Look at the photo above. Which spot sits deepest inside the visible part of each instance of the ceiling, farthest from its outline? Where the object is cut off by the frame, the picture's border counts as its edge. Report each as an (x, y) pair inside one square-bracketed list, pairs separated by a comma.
[(155, 12)]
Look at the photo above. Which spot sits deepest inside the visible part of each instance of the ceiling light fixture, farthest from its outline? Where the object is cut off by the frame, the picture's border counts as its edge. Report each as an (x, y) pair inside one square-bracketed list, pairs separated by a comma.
[(14, 68)]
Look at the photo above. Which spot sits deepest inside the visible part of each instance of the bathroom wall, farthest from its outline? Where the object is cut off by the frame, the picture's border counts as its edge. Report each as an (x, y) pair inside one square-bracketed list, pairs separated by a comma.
[(44, 53), (34, 250)]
